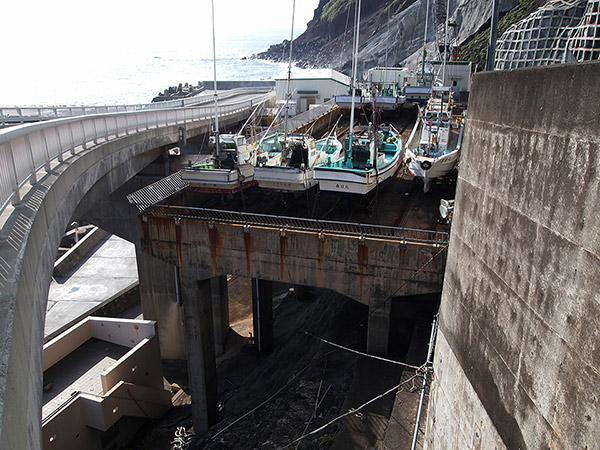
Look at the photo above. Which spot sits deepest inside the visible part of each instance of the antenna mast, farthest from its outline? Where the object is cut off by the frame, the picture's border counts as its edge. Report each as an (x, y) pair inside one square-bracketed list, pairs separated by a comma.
[(289, 80), (354, 70), (215, 86)]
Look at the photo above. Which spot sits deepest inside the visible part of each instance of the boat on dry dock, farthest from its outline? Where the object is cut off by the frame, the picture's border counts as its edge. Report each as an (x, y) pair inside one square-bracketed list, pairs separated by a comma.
[(370, 158), (433, 147), (229, 170), (295, 170)]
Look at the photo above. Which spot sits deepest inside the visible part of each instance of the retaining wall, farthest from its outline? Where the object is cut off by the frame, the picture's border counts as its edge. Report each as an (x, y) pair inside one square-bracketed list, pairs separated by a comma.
[(517, 361)]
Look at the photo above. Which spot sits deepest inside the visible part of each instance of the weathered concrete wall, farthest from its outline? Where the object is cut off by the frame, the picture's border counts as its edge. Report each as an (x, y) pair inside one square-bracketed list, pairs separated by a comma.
[(518, 352), (368, 273), (29, 240)]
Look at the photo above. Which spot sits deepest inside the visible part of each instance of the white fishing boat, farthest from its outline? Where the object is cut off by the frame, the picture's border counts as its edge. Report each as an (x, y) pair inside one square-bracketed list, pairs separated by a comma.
[(370, 157), (231, 167), (285, 160), (231, 170), (295, 171), (433, 147)]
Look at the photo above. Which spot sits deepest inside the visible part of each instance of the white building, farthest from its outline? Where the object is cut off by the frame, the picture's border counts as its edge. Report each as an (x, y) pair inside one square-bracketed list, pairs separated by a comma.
[(311, 87)]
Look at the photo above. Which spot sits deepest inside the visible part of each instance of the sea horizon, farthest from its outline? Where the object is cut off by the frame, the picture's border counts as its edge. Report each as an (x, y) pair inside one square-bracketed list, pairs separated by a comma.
[(134, 77)]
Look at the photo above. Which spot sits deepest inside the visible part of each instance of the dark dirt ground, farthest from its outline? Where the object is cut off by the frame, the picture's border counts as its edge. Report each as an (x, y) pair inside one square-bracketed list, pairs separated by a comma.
[(247, 379), (339, 379)]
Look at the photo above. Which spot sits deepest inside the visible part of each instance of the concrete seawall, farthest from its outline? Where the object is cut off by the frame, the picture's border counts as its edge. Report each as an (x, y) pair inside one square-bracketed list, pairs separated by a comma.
[(518, 353)]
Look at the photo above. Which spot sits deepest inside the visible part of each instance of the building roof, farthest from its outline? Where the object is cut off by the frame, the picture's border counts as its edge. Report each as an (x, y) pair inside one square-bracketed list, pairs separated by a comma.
[(316, 74)]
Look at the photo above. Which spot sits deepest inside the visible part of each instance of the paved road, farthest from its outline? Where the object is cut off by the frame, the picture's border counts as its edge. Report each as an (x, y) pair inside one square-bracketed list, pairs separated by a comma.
[(107, 271)]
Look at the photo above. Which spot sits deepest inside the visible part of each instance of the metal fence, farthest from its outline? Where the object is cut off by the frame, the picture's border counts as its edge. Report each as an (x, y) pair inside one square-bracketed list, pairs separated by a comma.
[(403, 235), (157, 192), (25, 149), (301, 119), (10, 115)]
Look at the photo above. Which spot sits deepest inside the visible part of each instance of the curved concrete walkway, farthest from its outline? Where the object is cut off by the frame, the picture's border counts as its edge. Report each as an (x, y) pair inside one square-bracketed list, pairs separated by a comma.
[(29, 238)]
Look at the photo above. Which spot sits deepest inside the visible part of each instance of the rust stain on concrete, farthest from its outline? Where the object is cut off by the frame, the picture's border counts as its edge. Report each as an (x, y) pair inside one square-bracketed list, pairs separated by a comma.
[(248, 249), (178, 244), (215, 242), (282, 252), (363, 255)]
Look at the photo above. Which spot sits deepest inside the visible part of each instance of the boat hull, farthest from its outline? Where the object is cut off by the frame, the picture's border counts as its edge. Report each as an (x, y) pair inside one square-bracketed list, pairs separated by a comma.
[(439, 166), (219, 180), (355, 181), (284, 178)]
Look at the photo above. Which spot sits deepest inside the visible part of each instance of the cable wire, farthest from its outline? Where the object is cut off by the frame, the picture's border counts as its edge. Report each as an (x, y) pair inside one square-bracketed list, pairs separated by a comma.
[(350, 411), (363, 354), (265, 402)]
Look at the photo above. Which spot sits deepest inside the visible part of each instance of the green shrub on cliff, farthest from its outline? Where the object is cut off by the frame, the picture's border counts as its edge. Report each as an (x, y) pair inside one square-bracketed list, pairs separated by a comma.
[(334, 8), (475, 50)]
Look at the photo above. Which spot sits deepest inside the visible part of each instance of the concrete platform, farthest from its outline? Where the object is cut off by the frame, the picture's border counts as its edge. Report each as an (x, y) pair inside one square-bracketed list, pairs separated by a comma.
[(109, 270), (80, 371)]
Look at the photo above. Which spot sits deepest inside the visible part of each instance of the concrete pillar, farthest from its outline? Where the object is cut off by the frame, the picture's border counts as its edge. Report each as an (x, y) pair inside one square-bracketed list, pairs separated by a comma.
[(262, 315), (161, 302), (378, 331), (202, 368), (220, 309)]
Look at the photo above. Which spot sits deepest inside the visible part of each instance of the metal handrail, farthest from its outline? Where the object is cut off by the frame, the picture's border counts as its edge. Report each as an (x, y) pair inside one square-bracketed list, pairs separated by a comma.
[(404, 235), (10, 115), (302, 119), (25, 149)]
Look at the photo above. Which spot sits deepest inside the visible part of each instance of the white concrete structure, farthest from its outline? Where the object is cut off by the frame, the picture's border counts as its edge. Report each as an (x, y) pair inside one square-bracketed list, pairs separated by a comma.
[(311, 87), (97, 372)]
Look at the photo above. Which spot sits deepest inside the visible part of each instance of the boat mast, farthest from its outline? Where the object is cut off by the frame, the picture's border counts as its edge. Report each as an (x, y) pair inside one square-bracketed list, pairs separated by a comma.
[(215, 86), (289, 81), (445, 43), (425, 44), (354, 69)]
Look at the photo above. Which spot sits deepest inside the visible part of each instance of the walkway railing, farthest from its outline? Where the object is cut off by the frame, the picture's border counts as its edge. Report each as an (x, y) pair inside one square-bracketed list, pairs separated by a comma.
[(25, 149), (10, 115), (301, 119), (403, 235)]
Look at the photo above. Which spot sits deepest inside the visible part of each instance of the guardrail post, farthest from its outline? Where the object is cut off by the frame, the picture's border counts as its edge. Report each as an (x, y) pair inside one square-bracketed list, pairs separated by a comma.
[(95, 131), (16, 199), (72, 140), (84, 143), (47, 165), (105, 129), (60, 147)]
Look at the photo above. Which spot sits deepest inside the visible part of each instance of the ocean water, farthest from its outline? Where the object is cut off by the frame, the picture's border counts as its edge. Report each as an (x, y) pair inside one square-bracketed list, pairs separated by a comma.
[(134, 76)]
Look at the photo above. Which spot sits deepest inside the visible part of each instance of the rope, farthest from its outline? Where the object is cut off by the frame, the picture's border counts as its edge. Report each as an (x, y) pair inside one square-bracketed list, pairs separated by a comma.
[(363, 354)]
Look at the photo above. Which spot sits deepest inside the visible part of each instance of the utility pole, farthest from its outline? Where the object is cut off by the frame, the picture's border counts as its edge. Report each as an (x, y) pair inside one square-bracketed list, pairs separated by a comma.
[(491, 51)]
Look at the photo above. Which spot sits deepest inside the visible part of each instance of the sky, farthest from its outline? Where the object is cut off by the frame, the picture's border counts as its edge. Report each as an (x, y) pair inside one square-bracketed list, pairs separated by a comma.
[(65, 51), (47, 29)]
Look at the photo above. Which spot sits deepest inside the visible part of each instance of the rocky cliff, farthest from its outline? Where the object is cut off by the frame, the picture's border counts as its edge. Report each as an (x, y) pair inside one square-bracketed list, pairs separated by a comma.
[(391, 32)]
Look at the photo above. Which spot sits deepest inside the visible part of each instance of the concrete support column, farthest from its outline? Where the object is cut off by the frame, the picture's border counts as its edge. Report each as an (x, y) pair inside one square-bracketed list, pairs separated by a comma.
[(378, 331), (162, 302), (262, 314), (220, 310), (202, 369)]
